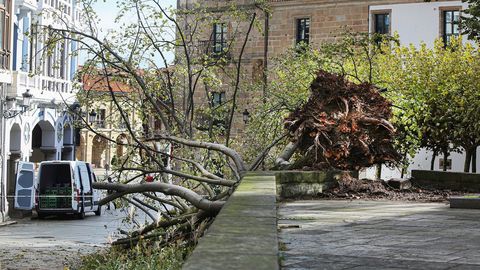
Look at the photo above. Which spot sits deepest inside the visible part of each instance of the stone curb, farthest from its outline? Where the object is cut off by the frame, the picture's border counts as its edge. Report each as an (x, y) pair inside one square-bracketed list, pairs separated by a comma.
[(3, 224), (244, 234)]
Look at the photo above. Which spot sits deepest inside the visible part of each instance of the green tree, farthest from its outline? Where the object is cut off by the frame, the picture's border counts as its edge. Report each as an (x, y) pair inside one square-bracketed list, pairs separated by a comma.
[(435, 92), (471, 23)]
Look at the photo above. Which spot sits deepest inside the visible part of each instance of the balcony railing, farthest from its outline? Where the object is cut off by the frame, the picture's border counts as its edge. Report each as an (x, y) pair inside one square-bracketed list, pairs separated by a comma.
[(214, 49), (41, 86)]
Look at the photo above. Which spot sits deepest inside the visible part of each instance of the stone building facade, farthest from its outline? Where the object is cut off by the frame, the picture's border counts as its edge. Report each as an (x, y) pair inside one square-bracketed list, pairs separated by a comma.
[(105, 118), (36, 89), (316, 22)]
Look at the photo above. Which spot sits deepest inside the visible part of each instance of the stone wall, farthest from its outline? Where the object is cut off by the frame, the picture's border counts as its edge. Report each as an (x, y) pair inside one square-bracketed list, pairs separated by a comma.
[(244, 233), (469, 182), (296, 184)]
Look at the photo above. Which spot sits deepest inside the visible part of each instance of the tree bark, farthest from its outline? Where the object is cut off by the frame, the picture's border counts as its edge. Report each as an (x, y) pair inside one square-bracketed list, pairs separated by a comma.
[(445, 158), (474, 160), (468, 160), (283, 159), (432, 163), (404, 169), (378, 173), (167, 189)]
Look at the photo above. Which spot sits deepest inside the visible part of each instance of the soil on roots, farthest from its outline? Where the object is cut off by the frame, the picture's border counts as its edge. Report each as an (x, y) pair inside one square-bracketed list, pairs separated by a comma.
[(352, 189)]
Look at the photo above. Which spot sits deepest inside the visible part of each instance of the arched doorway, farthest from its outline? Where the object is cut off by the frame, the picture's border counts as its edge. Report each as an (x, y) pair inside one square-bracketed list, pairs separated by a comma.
[(43, 142), (14, 155), (67, 150), (121, 149), (99, 146)]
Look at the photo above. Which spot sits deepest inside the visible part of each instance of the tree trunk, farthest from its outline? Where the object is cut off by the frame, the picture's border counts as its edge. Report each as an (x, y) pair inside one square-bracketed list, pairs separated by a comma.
[(432, 164), (468, 160), (287, 153), (404, 169), (445, 157), (474, 160), (378, 173)]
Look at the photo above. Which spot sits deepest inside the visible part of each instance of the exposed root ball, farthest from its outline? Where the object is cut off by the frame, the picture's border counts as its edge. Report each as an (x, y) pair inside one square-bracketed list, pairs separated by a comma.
[(343, 125)]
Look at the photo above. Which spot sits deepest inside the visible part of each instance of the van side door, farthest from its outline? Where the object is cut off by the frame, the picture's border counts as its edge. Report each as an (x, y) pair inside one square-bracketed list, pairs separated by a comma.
[(96, 194), (25, 186), (87, 187)]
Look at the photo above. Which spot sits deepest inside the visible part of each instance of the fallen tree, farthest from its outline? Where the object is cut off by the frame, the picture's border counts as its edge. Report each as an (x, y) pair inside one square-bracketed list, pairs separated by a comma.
[(343, 126), (178, 168)]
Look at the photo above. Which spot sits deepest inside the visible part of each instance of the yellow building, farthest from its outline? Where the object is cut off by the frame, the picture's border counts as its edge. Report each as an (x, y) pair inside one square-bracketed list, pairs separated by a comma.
[(106, 141)]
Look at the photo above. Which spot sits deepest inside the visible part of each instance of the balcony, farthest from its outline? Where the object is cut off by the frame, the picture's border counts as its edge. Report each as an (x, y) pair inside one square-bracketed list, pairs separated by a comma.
[(214, 49), (43, 88), (26, 4)]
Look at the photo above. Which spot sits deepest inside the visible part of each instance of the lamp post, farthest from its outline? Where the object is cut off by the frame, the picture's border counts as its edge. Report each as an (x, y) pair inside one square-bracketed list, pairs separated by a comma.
[(92, 116), (27, 99), (246, 116), (9, 105)]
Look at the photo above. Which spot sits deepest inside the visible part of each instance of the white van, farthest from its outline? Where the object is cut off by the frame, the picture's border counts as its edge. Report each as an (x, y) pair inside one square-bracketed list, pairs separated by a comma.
[(61, 187)]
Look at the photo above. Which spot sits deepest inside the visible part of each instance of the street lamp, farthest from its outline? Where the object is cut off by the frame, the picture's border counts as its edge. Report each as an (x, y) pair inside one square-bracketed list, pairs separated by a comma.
[(92, 116), (27, 99), (246, 116), (10, 105)]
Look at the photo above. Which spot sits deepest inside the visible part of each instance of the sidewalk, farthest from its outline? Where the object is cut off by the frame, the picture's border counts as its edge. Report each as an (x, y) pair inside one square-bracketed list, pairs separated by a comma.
[(11, 222), (378, 235)]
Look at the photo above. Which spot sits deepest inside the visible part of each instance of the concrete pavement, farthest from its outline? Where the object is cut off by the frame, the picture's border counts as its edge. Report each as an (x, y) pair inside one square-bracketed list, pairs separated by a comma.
[(378, 235), (49, 243)]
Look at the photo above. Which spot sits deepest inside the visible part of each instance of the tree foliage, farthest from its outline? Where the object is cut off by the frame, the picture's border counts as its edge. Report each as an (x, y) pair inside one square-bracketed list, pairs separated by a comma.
[(471, 22), (435, 90)]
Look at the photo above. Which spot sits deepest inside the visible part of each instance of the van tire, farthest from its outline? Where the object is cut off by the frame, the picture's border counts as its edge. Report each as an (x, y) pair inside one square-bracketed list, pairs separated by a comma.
[(41, 215), (99, 211)]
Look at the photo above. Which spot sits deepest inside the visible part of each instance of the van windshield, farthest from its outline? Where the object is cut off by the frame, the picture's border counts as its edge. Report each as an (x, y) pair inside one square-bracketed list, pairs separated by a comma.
[(54, 175)]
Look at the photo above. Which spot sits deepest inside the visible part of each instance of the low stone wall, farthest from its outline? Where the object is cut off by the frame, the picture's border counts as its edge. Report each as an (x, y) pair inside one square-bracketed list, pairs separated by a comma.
[(295, 184), (244, 234), (469, 182)]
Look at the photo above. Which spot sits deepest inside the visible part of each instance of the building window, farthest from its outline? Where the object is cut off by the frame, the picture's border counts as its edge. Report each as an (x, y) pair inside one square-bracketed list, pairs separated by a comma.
[(382, 23), (303, 30), (5, 6), (219, 37), (218, 98), (451, 20), (100, 121)]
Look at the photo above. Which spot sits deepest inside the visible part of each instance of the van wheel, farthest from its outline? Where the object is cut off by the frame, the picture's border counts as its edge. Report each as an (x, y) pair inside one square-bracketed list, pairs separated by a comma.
[(99, 211), (81, 215), (41, 215)]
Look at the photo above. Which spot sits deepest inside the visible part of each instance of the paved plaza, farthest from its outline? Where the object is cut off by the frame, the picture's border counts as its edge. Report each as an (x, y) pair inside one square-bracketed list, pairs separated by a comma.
[(377, 235), (48, 244)]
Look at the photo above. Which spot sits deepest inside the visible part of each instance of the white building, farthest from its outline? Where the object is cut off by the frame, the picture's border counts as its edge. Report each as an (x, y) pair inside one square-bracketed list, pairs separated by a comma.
[(416, 23), (44, 130)]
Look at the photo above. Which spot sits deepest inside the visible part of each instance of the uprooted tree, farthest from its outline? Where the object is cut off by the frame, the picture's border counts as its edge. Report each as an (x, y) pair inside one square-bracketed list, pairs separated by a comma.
[(202, 170), (342, 126)]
